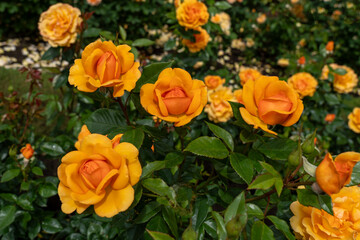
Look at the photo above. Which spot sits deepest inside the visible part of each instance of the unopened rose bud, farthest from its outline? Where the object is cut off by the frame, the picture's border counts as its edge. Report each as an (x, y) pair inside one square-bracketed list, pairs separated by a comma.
[(316, 188), (295, 156), (234, 228), (309, 144), (189, 234)]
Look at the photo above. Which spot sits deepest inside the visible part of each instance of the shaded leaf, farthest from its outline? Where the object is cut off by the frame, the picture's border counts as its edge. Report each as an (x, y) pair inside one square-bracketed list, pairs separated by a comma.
[(222, 134), (104, 120), (277, 149), (134, 136), (7, 216), (243, 166), (308, 198), (209, 147), (282, 226), (260, 231)]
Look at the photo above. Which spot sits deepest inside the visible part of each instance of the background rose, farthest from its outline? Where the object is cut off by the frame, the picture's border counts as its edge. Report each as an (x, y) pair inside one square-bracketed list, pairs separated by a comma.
[(342, 83), (59, 24), (174, 97), (27, 151), (192, 14), (201, 41), (103, 64), (314, 224), (303, 83), (354, 120), (219, 110), (247, 74), (268, 100), (212, 81), (100, 175)]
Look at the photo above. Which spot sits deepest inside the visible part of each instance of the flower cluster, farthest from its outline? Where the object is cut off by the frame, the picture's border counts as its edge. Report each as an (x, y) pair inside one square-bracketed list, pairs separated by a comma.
[(342, 83)]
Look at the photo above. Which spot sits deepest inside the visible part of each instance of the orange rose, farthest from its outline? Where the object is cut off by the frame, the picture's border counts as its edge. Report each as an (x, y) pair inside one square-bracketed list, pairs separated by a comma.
[(247, 74), (330, 117), (212, 82), (192, 14), (223, 19), (103, 64), (201, 41), (59, 24), (315, 224), (342, 83), (302, 60), (303, 83), (99, 174), (268, 100), (334, 175), (174, 97), (216, 18), (330, 46), (261, 18), (219, 109), (354, 120), (27, 151), (93, 2)]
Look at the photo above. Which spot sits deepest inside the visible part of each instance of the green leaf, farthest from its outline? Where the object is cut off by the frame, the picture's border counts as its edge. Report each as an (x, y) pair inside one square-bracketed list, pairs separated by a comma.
[(331, 99), (222, 5), (340, 71), (134, 136), (10, 174), (159, 235), (264, 182), (53, 149), (308, 198), (277, 149), (278, 185), (173, 159), (8, 197), (51, 225), (240, 121), (142, 42), (7, 216), (201, 210), (222, 134), (150, 210), (209, 147), (33, 228), (270, 169), (91, 33), (237, 207), (355, 176), (243, 166), (247, 136), (254, 210), (61, 79), (24, 202), (107, 35), (282, 226), (104, 120), (122, 33), (158, 186), (152, 167), (37, 171), (260, 231), (47, 190), (220, 229), (51, 53), (151, 73), (170, 218)]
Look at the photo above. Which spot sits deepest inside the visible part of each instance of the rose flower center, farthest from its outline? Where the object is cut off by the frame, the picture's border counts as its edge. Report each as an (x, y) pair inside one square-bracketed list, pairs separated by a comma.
[(107, 67), (176, 101), (94, 171), (301, 84)]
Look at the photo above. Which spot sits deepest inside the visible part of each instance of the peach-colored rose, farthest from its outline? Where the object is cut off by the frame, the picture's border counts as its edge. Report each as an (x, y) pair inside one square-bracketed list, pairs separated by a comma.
[(98, 174), (175, 96), (27, 151), (303, 83), (261, 18), (103, 64), (247, 74), (192, 14), (59, 25), (268, 100), (354, 120), (314, 224), (331, 175), (216, 18), (93, 2), (219, 109), (223, 19), (212, 82), (342, 83), (201, 41)]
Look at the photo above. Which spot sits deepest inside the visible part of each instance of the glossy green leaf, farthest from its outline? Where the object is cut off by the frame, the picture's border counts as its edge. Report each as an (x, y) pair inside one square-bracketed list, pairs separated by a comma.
[(220, 226), (150, 210), (37, 171), (104, 120), (260, 231), (152, 167), (264, 181), (8, 197), (243, 166), (237, 207), (235, 106), (7, 216), (208, 147), (173, 159), (51, 225), (222, 134), (159, 235), (34, 228), (10, 174), (122, 33), (277, 149), (270, 169), (51, 53), (222, 5), (47, 190), (254, 210), (308, 198), (134, 136), (53, 149), (170, 219), (201, 210), (340, 71), (151, 73), (355, 176), (158, 186), (142, 42), (282, 226)]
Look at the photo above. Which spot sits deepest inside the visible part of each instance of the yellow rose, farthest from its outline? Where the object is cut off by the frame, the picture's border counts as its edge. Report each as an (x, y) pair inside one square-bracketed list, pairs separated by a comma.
[(201, 41), (59, 24), (223, 19), (332, 176), (216, 19), (313, 224), (99, 174), (212, 82), (283, 62), (354, 120), (303, 83), (103, 64), (268, 100), (248, 74), (342, 83), (219, 110), (192, 14), (261, 18), (238, 96), (175, 96)]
